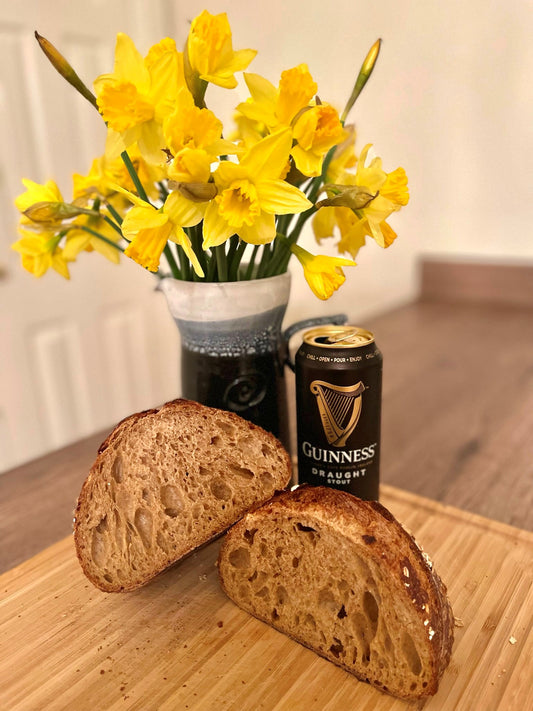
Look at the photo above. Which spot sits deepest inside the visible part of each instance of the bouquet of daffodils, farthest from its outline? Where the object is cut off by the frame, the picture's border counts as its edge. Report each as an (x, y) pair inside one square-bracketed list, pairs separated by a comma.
[(184, 198)]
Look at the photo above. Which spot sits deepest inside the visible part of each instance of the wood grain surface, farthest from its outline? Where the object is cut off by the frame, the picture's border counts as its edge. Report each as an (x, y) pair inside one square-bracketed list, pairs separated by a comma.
[(179, 643)]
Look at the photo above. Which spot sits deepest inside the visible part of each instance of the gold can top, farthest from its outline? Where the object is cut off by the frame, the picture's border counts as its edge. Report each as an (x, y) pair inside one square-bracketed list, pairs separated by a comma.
[(338, 337)]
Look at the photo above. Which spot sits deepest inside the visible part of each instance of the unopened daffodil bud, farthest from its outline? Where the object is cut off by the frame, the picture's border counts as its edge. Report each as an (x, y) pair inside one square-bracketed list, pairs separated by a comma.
[(352, 196), (53, 212), (364, 75), (64, 68), (196, 192)]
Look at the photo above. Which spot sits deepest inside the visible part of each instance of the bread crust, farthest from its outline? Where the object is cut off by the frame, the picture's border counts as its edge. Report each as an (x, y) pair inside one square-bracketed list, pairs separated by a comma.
[(386, 542), (124, 436)]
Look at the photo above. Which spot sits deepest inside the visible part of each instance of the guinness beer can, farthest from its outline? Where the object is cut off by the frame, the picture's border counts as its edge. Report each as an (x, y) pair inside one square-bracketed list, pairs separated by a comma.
[(338, 401)]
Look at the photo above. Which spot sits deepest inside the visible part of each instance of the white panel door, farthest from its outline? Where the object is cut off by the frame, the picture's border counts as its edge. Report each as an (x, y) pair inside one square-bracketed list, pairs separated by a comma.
[(75, 356)]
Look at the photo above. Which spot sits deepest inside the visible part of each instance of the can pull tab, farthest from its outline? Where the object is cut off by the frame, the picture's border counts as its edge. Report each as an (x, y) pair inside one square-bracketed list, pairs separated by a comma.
[(288, 333), (343, 337)]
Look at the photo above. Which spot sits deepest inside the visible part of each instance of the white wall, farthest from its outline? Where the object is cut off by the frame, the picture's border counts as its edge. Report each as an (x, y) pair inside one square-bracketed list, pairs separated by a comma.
[(450, 101)]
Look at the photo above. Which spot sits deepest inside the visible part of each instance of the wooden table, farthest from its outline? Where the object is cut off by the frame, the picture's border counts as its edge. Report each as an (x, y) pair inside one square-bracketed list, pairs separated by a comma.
[(457, 428)]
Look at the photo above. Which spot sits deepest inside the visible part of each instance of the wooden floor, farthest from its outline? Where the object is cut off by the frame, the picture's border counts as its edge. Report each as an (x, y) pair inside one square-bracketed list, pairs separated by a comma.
[(457, 424)]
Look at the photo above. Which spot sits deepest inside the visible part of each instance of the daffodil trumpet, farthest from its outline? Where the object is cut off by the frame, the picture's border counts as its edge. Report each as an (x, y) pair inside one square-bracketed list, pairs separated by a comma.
[(182, 195)]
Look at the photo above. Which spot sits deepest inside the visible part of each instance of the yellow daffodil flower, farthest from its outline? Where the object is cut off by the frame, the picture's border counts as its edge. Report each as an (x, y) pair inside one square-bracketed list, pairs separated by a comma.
[(210, 54), (136, 98), (355, 225), (251, 193), (328, 218), (103, 172), (191, 127), (316, 131), (148, 229), (77, 240), (316, 128), (323, 274), (40, 252), (278, 107)]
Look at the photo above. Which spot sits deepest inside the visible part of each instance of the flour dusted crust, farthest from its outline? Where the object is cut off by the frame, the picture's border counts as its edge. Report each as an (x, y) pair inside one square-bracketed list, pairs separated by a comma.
[(166, 481), (342, 577)]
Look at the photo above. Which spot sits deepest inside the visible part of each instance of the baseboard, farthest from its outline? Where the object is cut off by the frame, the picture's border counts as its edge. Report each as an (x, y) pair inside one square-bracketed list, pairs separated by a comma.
[(503, 284)]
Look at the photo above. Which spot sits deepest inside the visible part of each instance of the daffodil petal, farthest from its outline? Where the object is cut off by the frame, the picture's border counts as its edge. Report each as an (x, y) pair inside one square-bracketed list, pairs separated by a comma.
[(164, 72), (227, 172), (262, 105), (129, 64), (267, 159), (135, 199), (261, 90), (32, 246), (222, 147), (215, 228), (240, 60), (41, 264), (151, 142), (281, 198), (354, 238), (182, 211), (263, 230), (60, 265), (105, 249), (114, 145), (324, 223), (372, 176), (383, 234), (75, 244), (142, 218), (307, 162), (179, 236)]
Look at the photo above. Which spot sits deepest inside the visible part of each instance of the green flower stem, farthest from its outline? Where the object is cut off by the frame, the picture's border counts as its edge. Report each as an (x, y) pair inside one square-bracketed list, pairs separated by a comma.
[(172, 262), (264, 263), (185, 266), (233, 246), (278, 264), (251, 263), (163, 192), (195, 235), (104, 239), (116, 216), (114, 225), (133, 175), (211, 267), (222, 264), (237, 258)]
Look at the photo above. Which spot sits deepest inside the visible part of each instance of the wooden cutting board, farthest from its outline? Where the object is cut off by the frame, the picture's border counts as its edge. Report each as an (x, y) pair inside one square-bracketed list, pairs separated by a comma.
[(179, 643)]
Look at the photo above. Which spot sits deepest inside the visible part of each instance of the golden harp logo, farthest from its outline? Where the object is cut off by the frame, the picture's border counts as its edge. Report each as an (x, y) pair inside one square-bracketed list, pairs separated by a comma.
[(339, 408)]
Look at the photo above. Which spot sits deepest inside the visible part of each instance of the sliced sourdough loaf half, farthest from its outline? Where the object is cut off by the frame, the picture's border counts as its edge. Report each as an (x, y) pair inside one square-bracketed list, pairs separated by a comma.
[(342, 577), (167, 481)]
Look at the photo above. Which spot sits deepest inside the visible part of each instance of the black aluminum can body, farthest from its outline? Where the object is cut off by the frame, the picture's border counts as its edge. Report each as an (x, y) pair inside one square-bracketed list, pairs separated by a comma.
[(338, 400)]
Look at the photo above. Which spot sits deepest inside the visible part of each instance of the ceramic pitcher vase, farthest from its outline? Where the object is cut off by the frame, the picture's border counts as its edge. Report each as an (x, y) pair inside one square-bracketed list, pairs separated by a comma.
[(233, 352)]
